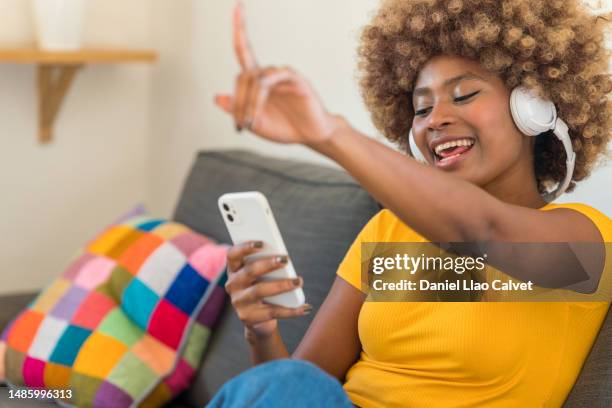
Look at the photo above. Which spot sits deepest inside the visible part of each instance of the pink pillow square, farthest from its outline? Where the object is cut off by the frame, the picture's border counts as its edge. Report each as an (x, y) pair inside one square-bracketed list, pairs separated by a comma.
[(95, 308), (94, 272)]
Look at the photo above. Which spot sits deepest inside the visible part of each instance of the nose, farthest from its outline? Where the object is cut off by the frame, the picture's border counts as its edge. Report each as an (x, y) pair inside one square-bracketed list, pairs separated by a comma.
[(441, 115)]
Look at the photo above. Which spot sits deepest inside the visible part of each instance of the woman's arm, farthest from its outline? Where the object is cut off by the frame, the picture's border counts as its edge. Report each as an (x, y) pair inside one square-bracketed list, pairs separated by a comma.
[(437, 206), (266, 348), (447, 209), (331, 342), (444, 208)]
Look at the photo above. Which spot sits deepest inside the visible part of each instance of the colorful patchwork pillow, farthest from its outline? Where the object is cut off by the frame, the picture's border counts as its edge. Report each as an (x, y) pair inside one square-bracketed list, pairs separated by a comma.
[(127, 322)]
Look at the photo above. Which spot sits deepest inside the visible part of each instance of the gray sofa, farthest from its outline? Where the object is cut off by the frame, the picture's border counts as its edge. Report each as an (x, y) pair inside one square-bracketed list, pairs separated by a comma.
[(319, 211)]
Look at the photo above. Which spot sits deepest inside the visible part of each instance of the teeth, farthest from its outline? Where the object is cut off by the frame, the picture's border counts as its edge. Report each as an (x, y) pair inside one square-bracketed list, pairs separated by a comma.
[(459, 142)]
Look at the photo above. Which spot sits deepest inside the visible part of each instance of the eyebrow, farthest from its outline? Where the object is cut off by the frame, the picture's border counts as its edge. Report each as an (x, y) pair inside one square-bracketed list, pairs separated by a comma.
[(450, 81)]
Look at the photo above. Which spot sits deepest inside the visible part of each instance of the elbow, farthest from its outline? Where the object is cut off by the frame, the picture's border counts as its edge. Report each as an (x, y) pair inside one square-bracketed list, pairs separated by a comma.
[(477, 229), (479, 223)]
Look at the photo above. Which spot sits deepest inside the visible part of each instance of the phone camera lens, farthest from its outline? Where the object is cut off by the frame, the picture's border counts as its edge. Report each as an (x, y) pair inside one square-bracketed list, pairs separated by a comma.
[(229, 217), (226, 207)]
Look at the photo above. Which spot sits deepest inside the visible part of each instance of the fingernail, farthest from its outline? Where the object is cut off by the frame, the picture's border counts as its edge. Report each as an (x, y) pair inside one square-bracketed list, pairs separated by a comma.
[(257, 244), (297, 281), (282, 259), (307, 308)]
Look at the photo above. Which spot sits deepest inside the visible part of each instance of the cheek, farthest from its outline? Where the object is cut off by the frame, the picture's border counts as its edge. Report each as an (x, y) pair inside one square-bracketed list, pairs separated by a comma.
[(489, 115), (419, 128), (495, 127)]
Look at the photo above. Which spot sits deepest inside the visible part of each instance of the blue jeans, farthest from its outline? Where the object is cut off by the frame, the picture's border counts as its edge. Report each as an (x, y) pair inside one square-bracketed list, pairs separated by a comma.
[(282, 383)]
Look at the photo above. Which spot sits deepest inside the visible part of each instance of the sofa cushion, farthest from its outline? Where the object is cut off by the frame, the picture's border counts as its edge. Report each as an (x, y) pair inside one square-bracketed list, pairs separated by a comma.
[(319, 211), (593, 388)]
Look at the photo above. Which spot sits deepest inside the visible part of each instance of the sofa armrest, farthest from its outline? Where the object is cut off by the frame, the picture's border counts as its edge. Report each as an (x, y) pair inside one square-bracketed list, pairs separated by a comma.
[(11, 305)]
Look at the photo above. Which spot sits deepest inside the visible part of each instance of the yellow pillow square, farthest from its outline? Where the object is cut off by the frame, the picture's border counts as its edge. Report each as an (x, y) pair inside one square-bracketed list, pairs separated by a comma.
[(99, 355), (170, 230), (109, 239)]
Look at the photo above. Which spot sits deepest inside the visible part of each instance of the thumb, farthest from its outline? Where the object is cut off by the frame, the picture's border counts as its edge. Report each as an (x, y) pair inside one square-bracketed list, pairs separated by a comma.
[(225, 102)]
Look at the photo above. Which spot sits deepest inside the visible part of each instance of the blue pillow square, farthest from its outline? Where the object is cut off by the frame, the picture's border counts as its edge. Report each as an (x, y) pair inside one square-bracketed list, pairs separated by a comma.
[(69, 345), (150, 225), (139, 302), (187, 290)]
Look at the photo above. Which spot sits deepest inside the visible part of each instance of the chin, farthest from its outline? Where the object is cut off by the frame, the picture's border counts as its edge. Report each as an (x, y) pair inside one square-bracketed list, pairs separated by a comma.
[(467, 174)]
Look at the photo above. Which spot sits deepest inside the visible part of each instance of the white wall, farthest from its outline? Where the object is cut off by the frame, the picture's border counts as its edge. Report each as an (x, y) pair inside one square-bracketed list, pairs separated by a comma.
[(56, 197), (128, 133), (317, 37)]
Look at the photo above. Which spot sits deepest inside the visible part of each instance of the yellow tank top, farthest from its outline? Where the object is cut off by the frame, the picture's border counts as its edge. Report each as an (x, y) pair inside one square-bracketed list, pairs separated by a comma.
[(496, 354)]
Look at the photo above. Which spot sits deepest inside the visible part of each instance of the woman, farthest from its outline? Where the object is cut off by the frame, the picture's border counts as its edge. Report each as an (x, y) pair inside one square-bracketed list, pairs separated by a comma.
[(443, 69)]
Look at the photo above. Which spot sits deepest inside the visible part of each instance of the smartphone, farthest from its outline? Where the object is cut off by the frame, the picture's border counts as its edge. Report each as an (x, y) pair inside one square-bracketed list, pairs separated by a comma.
[(248, 217)]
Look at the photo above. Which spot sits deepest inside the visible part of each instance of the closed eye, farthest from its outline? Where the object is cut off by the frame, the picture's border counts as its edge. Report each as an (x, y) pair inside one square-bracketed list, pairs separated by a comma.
[(465, 97), (462, 98)]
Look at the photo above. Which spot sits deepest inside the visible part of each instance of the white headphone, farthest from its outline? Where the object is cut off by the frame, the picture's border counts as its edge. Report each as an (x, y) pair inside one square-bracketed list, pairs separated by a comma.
[(532, 115)]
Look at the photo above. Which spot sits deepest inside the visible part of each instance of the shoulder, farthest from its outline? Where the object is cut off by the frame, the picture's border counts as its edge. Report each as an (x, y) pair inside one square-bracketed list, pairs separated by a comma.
[(601, 221), (385, 226)]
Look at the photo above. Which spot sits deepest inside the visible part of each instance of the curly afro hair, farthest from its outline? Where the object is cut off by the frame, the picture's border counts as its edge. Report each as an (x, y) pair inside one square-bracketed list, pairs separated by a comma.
[(555, 47)]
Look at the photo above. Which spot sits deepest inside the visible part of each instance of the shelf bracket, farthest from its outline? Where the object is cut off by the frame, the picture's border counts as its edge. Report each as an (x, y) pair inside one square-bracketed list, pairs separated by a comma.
[(53, 83)]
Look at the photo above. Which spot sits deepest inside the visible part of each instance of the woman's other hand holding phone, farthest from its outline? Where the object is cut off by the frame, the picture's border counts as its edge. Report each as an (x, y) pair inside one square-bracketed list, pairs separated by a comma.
[(276, 103), (246, 293)]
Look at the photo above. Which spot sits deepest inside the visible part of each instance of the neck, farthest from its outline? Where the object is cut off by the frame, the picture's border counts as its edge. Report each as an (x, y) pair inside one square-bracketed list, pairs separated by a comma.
[(518, 184), (525, 196)]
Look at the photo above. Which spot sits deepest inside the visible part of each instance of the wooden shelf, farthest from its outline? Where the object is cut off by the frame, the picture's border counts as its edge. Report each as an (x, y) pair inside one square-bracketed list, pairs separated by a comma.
[(87, 56), (56, 71)]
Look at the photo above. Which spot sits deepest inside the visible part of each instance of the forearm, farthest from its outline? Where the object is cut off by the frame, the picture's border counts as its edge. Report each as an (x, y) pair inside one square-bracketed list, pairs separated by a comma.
[(436, 205), (266, 349)]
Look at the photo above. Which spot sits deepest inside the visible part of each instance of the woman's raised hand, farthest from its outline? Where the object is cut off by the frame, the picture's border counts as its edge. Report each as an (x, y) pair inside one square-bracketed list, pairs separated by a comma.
[(275, 103)]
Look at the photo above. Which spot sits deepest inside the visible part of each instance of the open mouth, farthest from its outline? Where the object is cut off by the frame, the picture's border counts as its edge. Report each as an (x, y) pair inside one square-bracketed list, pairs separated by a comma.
[(451, 152)]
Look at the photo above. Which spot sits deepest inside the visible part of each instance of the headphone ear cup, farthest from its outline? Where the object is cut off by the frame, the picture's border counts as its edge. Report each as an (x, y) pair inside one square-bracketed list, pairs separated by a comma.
[(532, 115), (416, 153)]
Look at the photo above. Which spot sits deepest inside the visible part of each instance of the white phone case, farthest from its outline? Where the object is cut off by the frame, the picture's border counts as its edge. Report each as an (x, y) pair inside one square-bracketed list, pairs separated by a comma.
[(248, 217)]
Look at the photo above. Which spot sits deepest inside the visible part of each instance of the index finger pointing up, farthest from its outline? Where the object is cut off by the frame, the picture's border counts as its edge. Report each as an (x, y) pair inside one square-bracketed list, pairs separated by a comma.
[(241, 43)]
